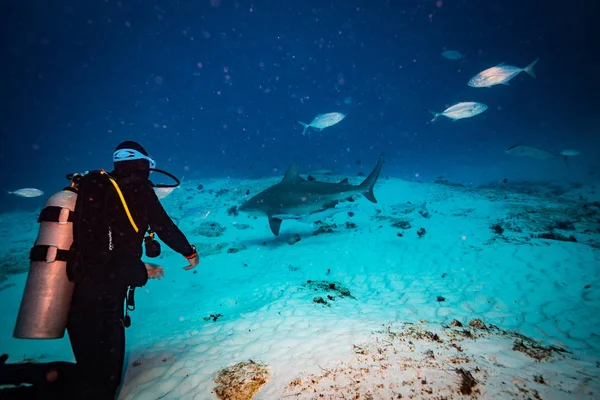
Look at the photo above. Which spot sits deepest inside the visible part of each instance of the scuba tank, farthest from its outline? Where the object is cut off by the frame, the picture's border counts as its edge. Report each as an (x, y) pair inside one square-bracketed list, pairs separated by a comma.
[(46, 300)]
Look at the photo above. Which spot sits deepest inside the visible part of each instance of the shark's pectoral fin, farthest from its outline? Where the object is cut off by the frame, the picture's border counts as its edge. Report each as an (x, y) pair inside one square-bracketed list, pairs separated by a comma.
[(275, 225), (343, 181)]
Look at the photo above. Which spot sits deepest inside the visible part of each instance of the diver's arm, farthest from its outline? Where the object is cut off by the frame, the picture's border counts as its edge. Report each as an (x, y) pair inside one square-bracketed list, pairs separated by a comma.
[(165, 228)]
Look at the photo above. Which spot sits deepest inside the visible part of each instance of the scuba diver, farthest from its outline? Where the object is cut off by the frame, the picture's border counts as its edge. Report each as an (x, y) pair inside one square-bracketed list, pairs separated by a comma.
[(104, 266)]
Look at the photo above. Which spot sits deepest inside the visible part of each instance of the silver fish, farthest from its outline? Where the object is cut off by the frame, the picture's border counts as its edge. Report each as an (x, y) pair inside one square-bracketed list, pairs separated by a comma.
[(27, 192), (162, 192), (569, 152), (540, 153), (499, 75), (322, 172), (452, 55), (193, 214), (525, 150), (323, 121), (566, 153), (462, 110)]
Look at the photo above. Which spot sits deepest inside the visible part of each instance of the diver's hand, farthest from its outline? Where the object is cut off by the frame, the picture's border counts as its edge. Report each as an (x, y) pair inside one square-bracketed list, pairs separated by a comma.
[(193, 263), (154, 271)]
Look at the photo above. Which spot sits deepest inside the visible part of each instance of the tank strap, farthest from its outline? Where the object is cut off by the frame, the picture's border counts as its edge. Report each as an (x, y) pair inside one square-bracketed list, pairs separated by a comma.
[(49, 253), (54, 213)]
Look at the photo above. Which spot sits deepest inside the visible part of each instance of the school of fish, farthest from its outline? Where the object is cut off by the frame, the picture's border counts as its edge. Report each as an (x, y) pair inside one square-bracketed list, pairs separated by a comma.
[(500, 74)]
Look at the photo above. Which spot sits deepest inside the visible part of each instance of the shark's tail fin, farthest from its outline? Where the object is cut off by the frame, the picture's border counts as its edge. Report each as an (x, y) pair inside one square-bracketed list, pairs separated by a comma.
[(367, 185), (305, 125)]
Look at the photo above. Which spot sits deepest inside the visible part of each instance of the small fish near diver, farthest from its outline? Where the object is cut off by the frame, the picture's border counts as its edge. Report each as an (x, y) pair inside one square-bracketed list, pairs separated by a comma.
[(462, 110), (539, 153), (500, 74), (27, 192), (163, 191), (323, 121), (298, 198)]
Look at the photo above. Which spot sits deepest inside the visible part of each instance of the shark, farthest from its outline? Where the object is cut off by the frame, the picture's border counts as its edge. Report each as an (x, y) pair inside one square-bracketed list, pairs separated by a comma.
[(297, 198)]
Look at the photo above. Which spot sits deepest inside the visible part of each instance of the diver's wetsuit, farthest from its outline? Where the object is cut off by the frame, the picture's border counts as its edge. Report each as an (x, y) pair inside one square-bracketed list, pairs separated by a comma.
[(95, 325)]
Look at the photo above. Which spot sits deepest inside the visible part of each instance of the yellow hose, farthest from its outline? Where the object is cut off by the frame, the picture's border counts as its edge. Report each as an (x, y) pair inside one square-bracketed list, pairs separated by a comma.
[(131, 221)]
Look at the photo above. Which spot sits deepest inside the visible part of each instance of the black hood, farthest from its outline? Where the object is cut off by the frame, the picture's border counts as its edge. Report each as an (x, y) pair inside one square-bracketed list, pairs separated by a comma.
[(139, 168)]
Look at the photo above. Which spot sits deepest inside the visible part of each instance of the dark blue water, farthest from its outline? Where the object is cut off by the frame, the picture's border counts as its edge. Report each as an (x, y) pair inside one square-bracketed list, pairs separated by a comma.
[(213, 88)]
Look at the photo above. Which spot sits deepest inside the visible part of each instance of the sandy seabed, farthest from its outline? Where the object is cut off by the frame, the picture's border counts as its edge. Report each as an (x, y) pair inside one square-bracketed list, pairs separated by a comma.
[(488, 292)]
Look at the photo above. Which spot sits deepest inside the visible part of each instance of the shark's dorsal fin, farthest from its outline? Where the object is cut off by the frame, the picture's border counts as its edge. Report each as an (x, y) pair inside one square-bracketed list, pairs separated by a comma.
[(343, 181), (292, 174)]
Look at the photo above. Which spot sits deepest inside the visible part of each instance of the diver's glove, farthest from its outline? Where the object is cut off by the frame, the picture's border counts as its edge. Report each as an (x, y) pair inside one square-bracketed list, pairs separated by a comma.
[(194, 260)]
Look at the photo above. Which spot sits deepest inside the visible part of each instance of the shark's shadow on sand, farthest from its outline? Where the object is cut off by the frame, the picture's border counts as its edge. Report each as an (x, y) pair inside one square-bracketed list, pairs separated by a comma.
[(297, 198)]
